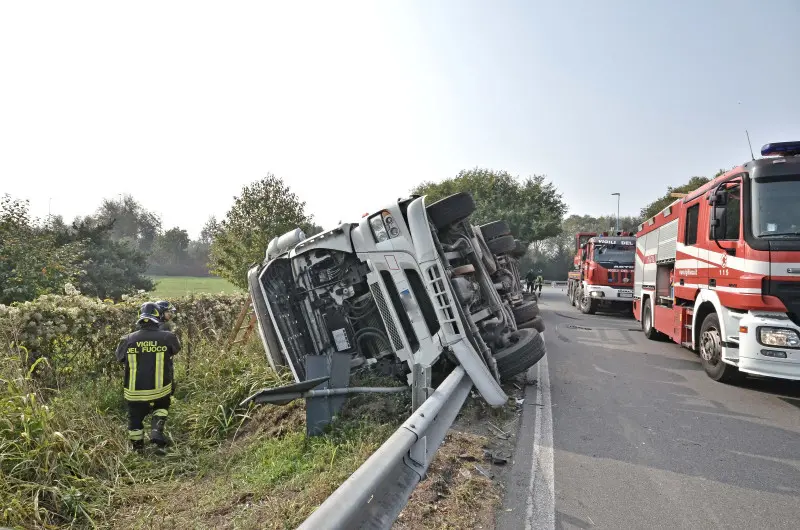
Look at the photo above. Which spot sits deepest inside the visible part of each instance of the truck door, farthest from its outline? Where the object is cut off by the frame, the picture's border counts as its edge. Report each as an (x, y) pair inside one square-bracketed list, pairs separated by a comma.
[(726, 250), (691, 267)]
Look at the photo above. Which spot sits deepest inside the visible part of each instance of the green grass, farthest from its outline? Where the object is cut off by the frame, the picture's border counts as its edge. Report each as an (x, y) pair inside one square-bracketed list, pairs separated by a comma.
[(176, 286)]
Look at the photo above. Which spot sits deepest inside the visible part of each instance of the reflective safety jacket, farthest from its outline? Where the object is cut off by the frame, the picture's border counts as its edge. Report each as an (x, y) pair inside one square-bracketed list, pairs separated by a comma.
[(147, 355), (539, 280)]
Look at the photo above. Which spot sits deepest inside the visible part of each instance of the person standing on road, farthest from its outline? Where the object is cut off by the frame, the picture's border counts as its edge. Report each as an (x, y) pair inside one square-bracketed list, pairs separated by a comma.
[(529, 278), (147, 356), (539, 283)]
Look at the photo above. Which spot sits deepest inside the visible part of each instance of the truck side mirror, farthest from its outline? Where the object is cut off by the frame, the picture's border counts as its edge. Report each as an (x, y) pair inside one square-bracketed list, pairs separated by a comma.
[(717, 223), (719, 197)]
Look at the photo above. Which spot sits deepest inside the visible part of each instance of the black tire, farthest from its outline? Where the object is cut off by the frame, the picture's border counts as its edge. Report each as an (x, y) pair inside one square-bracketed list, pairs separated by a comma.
[(526, 349), (710, 347), (647, 323), (501, 245), (526, 311), (452, 209), (495, 229), (536, 323), (519, 249), (587, 305)]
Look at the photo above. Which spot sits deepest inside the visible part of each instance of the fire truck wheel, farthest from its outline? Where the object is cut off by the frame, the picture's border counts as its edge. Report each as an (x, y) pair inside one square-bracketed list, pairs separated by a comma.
[(711, 352), (452, 209), (588, 305), (526, 311), (495, 229), (647, 323), (501, 245), (526, 349)]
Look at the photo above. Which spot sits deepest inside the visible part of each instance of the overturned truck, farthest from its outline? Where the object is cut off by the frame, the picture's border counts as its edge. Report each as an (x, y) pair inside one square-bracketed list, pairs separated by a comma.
[(411, 290)]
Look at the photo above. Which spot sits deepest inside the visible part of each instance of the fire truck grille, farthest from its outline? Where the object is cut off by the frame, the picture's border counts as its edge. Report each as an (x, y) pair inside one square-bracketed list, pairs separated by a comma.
[(622, 278)]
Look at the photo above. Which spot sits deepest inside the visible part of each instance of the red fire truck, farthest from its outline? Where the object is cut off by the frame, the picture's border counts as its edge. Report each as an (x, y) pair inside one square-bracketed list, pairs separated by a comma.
[(718, 270), (602, 274)]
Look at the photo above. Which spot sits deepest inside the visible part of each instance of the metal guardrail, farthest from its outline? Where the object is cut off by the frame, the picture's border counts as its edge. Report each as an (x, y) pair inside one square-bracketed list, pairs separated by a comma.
[(377, 492)]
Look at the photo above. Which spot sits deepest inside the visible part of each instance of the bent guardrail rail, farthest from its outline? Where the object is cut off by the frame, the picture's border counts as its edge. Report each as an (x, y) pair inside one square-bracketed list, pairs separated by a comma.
[(375, 494)]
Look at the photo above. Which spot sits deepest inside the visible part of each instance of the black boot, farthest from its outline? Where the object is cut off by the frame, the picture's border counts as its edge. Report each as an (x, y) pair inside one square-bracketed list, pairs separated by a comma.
[(157, 433), (138, 445)]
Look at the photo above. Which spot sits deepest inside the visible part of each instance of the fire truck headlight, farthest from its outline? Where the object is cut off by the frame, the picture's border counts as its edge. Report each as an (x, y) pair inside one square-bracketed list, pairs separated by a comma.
[(596, 294), (780, 337)]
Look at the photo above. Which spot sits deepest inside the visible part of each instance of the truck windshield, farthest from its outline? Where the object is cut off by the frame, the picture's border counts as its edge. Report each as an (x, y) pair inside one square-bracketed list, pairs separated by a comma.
[(614, 254), (775, 211)]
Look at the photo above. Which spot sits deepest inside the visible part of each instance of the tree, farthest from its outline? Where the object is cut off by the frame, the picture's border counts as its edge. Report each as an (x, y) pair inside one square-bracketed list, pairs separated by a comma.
[(532, 207), (131, 222), (665, 200), (209, 231), (172, 247), (265, 209), (31, 262), (108, 268)]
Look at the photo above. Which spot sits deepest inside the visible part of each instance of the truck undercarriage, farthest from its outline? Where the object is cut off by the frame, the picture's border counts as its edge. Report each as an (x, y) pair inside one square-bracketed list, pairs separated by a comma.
[(409, 291)]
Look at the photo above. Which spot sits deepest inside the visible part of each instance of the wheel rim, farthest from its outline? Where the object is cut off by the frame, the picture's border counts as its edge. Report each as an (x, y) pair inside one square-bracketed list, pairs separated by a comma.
[(711, 345)]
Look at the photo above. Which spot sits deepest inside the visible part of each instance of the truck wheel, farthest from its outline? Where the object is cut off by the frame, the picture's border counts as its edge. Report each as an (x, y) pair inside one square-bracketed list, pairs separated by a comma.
[(526, 349), (519, 249), (711, 352), (647, 323), (537, 324), (525, 312), (587, 304), (501, 245), (495, 229), (452, 209)]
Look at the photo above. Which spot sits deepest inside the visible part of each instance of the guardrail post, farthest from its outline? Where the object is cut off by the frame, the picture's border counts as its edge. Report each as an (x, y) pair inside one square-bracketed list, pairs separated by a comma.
[(420, 386)]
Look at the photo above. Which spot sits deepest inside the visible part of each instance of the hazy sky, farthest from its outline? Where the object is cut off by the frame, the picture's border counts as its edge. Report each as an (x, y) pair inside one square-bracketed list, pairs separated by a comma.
[(353, 103)]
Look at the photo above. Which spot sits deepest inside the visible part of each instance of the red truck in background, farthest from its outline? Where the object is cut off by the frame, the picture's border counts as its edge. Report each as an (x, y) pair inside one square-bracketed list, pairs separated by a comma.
[(718, 271), (602, 274)]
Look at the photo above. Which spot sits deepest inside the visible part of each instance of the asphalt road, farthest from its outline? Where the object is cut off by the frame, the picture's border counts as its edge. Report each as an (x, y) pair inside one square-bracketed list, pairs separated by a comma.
[(622, 432)]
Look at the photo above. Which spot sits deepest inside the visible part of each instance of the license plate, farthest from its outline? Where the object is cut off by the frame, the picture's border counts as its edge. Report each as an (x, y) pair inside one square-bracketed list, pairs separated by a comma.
[(625, 295)]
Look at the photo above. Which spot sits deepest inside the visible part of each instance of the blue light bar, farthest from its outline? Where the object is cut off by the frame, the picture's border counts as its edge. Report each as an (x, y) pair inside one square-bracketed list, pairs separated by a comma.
[(781, 149)]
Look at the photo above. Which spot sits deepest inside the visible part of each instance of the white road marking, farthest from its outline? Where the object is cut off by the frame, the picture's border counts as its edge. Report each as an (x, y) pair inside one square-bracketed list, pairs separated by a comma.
[(541, 514)]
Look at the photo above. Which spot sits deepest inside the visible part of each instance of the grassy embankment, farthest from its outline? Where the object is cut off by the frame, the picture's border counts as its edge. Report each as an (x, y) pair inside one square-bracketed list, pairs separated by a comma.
[(64, 460)]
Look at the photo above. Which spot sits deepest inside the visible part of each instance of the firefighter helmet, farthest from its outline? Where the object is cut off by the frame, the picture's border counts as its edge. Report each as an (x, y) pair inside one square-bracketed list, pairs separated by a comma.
[(164, 306), (149, 312)]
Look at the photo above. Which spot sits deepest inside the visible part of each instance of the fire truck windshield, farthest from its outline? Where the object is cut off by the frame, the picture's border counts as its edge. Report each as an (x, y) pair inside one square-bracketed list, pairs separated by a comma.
[(775, 211), (614, 253)]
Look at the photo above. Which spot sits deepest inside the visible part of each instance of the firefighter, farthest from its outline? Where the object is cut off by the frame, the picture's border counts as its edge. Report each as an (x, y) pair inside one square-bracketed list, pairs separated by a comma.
[(147, 356), (539, 283), (167, 311), (529, 278)]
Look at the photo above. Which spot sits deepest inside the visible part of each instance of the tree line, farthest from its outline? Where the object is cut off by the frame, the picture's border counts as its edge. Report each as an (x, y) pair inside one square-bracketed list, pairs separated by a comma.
[(118, 248)]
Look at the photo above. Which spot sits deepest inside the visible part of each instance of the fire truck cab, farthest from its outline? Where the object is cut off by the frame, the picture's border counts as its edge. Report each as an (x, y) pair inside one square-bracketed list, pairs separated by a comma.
[(718, 271), (603, 275)]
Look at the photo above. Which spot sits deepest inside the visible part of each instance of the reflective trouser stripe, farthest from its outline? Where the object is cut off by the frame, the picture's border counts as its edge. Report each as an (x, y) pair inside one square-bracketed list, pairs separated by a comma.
[(137, 434), (161, 413)]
